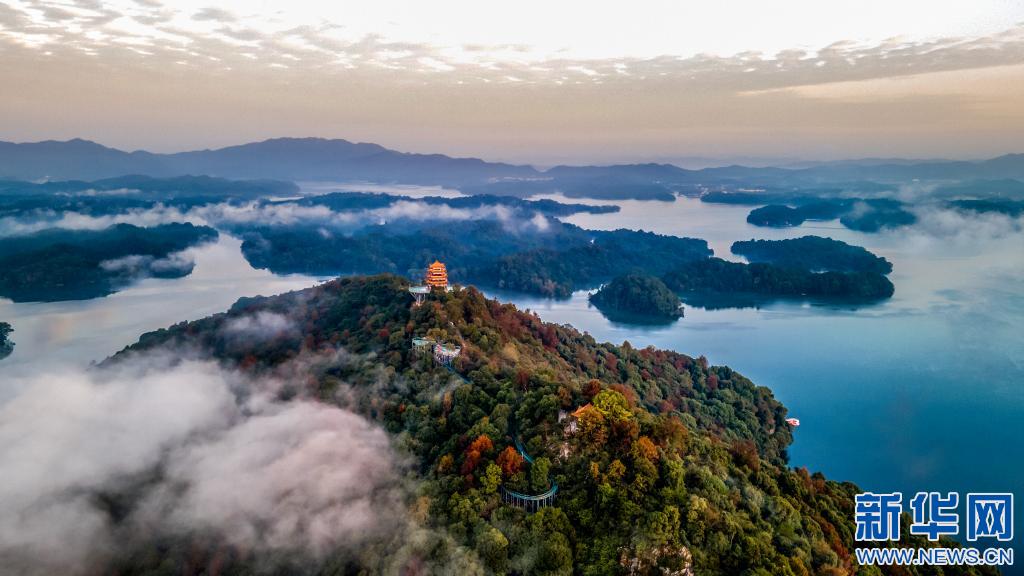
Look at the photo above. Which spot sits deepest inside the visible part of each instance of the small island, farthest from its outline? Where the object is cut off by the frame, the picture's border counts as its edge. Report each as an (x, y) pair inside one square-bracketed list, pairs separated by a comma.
[(715, 276), (782, 216), (6, 344), (640, 295), (1011, 208), (812, 253), (863, 215), (875, 214), (60, 264)]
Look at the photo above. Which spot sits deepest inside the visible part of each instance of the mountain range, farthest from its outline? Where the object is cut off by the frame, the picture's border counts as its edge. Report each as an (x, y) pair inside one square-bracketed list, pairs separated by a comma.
[(342, 160)]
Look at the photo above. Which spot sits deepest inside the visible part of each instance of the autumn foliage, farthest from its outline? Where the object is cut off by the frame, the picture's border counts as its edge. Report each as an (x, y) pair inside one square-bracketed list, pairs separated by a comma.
[(510, 461), (482, 445)]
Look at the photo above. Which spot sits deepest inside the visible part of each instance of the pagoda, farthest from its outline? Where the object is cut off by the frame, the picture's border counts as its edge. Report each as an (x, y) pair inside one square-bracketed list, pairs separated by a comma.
[(437, 276)]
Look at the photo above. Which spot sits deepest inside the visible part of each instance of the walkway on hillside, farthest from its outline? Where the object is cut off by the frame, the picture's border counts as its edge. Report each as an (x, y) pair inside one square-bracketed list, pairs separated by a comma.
[(528, 502)]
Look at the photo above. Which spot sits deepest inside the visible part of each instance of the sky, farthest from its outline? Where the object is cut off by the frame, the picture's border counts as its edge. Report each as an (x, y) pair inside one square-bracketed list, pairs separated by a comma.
[(525, 81)]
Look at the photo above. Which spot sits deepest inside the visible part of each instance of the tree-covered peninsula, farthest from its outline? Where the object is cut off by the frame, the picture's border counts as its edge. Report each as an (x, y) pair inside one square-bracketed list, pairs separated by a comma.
[(812, 253), (715, 276), (663, 463), (62, 264), (523, 254), (640, 295)]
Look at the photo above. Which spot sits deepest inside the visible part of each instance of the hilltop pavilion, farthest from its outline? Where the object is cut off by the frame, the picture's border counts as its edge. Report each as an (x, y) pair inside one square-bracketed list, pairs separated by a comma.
[(437, 276)]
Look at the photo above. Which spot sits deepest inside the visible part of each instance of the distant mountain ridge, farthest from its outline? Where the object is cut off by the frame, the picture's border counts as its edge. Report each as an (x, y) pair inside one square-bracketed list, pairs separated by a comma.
[(280, 158), (342, 160)]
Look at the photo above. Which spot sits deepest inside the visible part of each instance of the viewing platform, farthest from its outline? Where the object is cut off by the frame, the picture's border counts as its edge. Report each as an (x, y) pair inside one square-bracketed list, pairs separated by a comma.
[(444, 355), (423, 344), (419, 293)]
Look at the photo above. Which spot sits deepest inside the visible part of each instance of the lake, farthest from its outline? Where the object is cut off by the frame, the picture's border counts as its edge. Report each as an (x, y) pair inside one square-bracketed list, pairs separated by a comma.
[(921, 392)]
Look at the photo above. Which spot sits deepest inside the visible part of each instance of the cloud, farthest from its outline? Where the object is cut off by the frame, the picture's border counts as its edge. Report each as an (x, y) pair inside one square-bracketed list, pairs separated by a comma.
[(201, 449), (200, 82), (961, 228), (221, 214), (142, 265), (34, 221), (228, 215), (324, 47), (260, 326), (315, 478), (215, 14)]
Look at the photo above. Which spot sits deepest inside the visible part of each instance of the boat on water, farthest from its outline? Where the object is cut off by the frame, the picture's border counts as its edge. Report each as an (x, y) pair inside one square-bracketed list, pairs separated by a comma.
[(794, 422)]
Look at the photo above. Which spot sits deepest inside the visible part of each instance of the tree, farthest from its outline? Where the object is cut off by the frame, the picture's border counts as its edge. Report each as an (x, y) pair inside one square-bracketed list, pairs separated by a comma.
[(612, 405), (482, 445), (492, 546), (644, 448), (491, 478), (552, 532), (539, 472), (510, 461)]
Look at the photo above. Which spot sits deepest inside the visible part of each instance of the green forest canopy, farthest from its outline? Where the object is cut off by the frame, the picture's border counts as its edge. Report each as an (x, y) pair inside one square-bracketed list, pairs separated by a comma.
[(678, 462)]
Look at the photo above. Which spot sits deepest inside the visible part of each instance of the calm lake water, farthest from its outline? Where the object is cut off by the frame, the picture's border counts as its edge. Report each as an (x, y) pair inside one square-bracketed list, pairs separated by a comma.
[(922, 392)]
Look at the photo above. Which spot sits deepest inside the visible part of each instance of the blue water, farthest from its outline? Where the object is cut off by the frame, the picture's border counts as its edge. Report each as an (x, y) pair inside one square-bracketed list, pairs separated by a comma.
[(922, 392)]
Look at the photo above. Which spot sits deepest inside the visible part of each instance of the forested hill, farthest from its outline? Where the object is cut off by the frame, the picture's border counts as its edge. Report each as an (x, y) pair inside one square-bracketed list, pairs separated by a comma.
[(675, 467)]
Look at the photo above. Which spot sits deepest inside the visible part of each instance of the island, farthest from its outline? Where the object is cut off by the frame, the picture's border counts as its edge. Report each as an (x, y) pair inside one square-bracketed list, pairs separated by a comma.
[(983, 189), (782, 216), (715, 276), (863, 215), (61, 264), (1011, 208), (783, 209), (639, 295), (532, 447), (812, 253), (877, 214), (517, 252), (6, 344), (361, 201)]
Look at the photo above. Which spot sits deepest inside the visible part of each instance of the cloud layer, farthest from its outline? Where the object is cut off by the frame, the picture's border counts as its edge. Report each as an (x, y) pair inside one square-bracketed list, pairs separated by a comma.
[(192, 77), (203, 450), (226, 215)]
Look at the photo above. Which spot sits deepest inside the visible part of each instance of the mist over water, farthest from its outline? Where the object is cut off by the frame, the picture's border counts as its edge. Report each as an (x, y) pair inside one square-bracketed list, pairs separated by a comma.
[(924, 391), (82, 331)]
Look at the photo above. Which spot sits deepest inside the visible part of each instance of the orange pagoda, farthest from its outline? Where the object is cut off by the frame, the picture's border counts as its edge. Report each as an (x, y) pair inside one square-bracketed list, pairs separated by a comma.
[(437, 275)]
